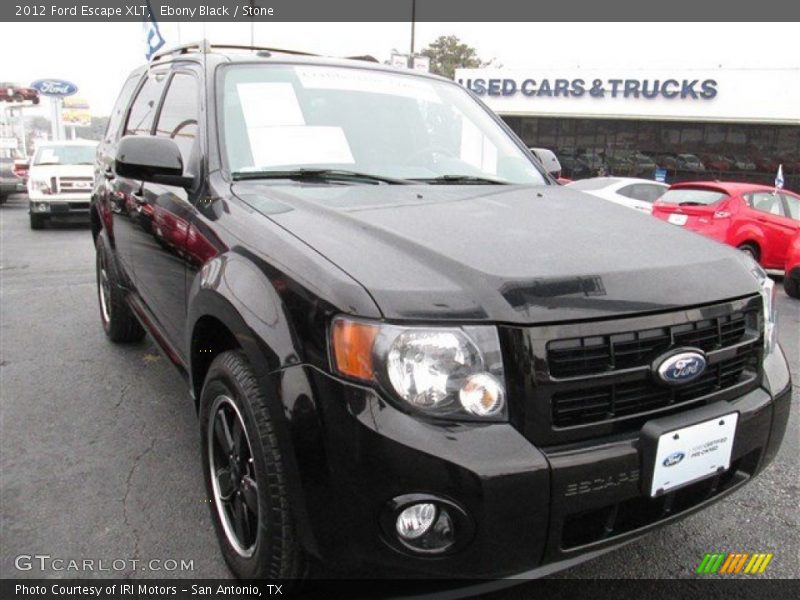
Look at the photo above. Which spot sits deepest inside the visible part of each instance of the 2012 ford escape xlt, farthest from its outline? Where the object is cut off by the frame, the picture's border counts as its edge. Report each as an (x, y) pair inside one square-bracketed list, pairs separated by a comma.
[(412, 353)]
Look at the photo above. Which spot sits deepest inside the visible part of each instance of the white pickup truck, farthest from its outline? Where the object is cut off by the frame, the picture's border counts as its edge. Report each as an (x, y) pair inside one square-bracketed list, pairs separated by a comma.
[(60, 181)]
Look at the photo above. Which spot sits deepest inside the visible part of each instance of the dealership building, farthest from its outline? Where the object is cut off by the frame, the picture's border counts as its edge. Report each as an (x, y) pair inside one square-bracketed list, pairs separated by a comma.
[(724, 123)]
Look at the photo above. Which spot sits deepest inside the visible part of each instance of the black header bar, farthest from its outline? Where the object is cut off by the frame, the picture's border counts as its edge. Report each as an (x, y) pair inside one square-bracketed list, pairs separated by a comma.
[(400, 10)]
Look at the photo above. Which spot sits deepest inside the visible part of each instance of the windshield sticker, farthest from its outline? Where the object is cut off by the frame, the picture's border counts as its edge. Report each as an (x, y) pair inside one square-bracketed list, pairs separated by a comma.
[(269, 104), (48, 156), (298, 145), (359, 80)]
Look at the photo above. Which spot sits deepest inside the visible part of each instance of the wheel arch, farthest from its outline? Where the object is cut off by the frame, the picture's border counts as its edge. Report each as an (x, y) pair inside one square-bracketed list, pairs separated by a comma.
[(218, 320)]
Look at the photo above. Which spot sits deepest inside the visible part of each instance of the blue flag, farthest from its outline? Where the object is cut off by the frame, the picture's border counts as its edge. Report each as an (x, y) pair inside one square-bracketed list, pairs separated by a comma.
[(153, 41), (779, 178)]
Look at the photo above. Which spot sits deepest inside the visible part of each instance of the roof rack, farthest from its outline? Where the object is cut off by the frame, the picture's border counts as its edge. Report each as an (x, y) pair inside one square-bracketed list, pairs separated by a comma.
[(205, 47)]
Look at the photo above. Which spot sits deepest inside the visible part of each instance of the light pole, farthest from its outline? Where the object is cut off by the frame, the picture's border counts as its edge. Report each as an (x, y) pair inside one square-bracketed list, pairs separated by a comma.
[(413, 23)]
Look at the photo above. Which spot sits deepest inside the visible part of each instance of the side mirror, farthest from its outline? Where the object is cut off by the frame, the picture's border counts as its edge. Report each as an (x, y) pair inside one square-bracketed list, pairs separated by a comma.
[(148, 158)]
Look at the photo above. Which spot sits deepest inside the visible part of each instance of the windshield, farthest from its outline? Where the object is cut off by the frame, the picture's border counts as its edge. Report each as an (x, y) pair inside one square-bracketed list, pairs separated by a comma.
[(64, 155), (691, 196), (401, 126)]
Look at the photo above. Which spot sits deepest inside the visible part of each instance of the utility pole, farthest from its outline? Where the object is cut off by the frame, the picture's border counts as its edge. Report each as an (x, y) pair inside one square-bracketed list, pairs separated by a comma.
[(413, 24)]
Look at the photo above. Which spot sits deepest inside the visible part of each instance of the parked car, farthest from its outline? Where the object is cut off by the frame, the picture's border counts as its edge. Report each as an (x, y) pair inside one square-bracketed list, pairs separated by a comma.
[(9, 182), (574, 168), (412, 353), (742, 163), (717, 162), (634, 193), (754, 218), (791, 276), (10, 92), (667, 161), (767, 164), (619, 165), (21, 167), (689, 162), (60, 181), (595, 162)]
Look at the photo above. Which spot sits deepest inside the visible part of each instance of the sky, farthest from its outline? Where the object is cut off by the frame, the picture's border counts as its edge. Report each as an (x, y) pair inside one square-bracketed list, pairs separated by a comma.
[(99, 56)]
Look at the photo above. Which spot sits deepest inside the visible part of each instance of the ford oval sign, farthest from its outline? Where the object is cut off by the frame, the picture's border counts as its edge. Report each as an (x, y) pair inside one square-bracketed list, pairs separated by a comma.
[(54, 87), (673, 459), (682, 367)]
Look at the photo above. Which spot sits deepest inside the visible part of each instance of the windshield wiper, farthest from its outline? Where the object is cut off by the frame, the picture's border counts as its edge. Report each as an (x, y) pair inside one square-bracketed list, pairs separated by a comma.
[(444, 179), (691, 203), (319, 174)]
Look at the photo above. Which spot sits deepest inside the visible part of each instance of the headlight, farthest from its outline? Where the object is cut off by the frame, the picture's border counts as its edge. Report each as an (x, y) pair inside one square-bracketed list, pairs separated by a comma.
[(450, 372), (41, 185), (770, 313)]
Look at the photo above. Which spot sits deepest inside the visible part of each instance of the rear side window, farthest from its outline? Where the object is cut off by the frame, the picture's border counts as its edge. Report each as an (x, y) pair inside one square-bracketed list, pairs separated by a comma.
[(179, 113), (120, 106), (143, 111), (765, 202), (692, 197), (642, 191), (793, 204)]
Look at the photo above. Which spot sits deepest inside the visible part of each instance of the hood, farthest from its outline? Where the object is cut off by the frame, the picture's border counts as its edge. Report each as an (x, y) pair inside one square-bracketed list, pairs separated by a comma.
[(506, 253), (44, 171)]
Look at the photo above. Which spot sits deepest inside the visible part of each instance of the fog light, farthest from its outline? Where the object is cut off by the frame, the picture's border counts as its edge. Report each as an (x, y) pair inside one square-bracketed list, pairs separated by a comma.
[(426, 527), (415, 520), (482, 395)]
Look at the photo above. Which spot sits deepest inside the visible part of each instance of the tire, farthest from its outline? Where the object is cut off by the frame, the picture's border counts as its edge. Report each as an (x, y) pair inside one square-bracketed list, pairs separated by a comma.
[(264, 544), (117, 318), (751, 250), (3, 199), (37, 222), (791, 284)]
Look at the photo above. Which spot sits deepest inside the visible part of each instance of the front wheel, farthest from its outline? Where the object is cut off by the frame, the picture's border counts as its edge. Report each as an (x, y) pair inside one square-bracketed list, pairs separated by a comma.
[(245, 475), (37, 222)]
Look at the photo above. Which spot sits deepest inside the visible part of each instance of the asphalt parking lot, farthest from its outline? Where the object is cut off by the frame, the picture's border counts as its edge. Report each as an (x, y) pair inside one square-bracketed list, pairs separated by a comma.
[(99, 443)]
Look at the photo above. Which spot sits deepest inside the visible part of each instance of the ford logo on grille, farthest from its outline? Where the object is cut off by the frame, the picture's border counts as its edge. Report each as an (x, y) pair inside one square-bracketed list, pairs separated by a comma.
[(673, 459), (681, 368)]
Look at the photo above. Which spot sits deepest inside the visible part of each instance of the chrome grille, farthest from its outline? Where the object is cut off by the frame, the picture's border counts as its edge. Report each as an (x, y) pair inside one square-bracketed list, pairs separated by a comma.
[(75, 185)]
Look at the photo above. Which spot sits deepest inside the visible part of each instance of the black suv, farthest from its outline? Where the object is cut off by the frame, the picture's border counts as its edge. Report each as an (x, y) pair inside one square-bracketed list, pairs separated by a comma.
[(411, 351)]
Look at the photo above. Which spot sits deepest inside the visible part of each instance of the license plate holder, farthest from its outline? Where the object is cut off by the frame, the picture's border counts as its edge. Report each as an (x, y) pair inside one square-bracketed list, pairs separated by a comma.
[(677, 219), (683, 449)]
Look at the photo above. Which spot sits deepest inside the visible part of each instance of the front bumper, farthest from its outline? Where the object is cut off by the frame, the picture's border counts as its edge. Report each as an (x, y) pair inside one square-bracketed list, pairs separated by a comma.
[(61, 206), (533, 511)]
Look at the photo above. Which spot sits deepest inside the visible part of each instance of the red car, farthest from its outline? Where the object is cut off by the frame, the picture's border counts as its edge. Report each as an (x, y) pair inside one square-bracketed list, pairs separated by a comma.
[(14, 93), (754, 218), (791, 279)]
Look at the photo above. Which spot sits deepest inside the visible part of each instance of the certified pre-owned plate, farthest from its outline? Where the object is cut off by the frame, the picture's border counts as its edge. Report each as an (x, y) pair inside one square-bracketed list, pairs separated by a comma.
[(677, 219), (692, 453)]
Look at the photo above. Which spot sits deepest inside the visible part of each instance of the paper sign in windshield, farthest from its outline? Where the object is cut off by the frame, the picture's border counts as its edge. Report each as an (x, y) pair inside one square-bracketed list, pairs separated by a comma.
[(269, 104), (298, 145)]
